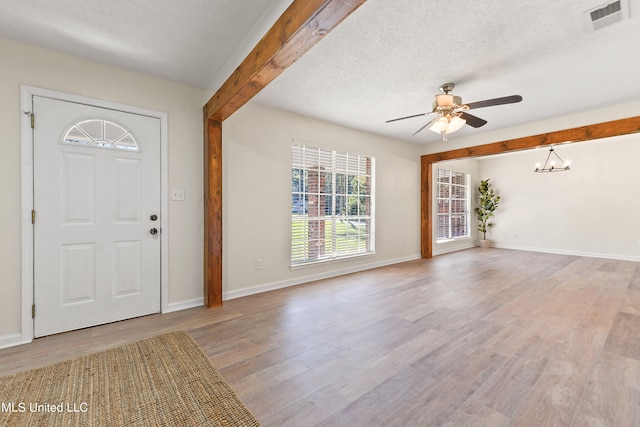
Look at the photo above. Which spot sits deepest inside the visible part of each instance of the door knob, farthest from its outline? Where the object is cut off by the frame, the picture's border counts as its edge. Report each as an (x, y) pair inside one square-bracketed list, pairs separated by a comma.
[(153, 217), (153, 231)]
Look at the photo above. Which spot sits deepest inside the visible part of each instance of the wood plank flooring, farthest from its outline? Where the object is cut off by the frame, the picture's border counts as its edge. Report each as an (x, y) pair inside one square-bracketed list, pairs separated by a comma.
[(473, 338)]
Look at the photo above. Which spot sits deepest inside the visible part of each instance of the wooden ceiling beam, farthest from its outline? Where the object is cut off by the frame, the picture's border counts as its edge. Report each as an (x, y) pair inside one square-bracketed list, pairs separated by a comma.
[(299, 28), (579, 134)]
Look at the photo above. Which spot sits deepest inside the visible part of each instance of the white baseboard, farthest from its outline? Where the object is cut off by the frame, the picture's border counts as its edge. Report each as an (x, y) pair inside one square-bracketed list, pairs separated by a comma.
[(310, 278), (183, 305), (445, 249), (12, 340), (568, 252)]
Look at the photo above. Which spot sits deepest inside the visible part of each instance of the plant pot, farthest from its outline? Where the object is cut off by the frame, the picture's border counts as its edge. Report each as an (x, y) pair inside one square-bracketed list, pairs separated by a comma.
[(485, 243)]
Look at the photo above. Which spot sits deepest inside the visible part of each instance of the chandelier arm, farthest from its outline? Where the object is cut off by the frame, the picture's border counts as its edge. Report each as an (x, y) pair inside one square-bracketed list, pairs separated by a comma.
[(561, 161), (547, 161)]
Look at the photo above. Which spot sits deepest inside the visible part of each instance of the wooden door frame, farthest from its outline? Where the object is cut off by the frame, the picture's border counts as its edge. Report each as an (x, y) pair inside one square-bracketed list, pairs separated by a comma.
[(573, 135), (300, 27), (27, 193)]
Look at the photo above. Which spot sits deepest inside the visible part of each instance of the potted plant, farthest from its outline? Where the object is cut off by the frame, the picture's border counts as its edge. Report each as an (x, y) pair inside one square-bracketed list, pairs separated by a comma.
[(487, 204)]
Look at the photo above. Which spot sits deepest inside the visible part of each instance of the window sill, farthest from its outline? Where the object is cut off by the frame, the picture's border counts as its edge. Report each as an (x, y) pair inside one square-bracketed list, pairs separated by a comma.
[(456, 239), (330, 261)]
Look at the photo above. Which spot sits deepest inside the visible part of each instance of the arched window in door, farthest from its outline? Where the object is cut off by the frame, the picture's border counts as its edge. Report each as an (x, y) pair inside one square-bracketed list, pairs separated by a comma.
[(100, 133)]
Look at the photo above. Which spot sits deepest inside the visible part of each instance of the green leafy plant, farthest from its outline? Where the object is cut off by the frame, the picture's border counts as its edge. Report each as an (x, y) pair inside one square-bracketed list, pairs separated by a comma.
[(488, 202)]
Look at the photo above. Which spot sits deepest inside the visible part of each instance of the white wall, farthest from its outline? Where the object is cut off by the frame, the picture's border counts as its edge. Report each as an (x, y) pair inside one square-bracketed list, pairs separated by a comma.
[(587, 211), (256, 182), (257, 197), (590, 210), (24, 64)]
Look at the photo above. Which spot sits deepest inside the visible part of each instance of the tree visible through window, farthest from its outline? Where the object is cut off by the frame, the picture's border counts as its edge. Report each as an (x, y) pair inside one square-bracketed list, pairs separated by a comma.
[(452, 194), (332, 204)]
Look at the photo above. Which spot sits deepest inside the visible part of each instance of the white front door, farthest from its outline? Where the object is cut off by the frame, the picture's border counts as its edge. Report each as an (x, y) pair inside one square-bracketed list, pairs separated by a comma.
[(97, 215)]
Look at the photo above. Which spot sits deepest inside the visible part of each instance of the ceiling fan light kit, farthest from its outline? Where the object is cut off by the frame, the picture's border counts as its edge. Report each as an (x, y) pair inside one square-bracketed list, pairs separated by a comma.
[(447, 124), (452, 113)]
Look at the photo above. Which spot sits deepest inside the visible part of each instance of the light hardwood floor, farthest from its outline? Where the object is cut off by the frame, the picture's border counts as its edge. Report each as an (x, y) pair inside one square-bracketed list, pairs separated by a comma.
[(477, 337)]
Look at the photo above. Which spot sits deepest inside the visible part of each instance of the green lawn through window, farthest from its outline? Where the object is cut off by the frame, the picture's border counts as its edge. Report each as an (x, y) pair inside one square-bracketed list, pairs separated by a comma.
[(350, 238)]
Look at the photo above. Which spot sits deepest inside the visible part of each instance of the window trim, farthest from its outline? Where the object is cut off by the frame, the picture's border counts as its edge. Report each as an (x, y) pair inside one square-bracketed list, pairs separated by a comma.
[(467, 199), (335, 163), (84, 138)]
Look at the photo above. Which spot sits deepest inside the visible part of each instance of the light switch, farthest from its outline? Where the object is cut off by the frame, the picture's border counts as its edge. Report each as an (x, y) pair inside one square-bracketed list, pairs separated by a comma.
[(177, 194)]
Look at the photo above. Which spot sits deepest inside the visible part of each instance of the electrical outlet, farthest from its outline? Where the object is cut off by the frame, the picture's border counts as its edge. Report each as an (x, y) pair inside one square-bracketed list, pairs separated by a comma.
[(177, 194), (258, 264)]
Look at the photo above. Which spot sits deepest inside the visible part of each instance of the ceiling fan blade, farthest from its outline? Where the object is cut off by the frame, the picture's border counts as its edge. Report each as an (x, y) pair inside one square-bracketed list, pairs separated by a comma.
[(407, 117), (496, 101), (428, 123), (473, 121)]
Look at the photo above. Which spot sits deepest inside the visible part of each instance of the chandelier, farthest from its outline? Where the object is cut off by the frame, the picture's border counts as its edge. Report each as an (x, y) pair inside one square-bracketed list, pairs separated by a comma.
[(550, 164)]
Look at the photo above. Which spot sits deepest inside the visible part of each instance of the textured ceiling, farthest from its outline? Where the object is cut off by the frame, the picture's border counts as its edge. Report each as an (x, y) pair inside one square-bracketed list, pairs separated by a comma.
[(185, 41), (386, 60), (389, 57)]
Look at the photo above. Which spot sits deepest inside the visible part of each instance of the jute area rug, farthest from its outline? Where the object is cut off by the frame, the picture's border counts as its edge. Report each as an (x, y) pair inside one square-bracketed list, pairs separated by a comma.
[(161, 381)]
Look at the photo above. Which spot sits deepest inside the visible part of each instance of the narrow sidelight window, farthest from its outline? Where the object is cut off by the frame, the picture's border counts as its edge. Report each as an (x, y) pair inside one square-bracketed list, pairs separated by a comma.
[(452, 201)]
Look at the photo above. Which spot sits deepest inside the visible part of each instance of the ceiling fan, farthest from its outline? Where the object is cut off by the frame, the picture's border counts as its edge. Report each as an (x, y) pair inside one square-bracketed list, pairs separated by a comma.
[(452, 113)]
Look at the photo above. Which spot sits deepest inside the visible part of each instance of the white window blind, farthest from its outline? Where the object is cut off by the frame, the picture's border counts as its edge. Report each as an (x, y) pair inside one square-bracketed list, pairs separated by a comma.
[(452, 200), (332, 204)]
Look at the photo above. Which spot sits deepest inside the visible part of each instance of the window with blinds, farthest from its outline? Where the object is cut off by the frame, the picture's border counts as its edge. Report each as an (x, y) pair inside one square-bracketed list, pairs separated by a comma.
[(332, 204), (452, 201)]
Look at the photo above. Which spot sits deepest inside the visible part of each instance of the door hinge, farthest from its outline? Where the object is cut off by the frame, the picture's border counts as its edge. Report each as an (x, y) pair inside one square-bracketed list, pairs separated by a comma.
[(33, 216), (33, 311), (30, 114), (32, 121)]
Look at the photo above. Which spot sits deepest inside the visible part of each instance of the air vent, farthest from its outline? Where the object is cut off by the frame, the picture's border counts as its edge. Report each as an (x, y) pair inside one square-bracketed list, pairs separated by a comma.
[(607, 14)]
